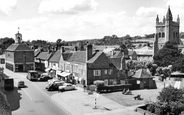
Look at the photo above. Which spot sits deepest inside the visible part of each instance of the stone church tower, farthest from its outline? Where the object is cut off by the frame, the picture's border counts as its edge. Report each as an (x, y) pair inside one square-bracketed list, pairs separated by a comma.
[(167, 30)]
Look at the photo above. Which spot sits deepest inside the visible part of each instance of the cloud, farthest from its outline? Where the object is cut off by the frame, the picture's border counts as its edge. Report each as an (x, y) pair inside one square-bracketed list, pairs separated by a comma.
[(67, 6), (7, 5)]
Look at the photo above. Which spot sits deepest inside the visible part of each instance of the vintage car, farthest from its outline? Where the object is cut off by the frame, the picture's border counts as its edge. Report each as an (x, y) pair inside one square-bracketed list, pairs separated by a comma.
[(54, 85), (21, 84), (66, 87)]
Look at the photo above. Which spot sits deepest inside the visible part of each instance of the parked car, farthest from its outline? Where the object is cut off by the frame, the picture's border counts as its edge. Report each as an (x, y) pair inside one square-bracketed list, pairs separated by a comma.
[(21, 84), (66, 87), (54, 85), (44, 77), (33, 75)]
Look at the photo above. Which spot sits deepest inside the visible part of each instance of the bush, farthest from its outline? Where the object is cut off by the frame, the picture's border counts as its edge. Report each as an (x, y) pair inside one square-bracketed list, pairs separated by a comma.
[(99, 83)]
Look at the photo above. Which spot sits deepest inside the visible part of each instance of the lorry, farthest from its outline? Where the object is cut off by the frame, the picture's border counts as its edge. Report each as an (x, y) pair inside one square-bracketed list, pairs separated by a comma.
[(9, 84)]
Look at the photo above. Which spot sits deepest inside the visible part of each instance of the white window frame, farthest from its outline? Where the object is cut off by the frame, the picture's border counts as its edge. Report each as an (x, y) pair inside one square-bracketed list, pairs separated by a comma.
[(97, 72), (105, 71)]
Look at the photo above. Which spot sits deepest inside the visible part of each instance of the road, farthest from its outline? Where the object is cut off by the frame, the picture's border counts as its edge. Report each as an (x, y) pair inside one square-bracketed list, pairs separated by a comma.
[(33, 100)]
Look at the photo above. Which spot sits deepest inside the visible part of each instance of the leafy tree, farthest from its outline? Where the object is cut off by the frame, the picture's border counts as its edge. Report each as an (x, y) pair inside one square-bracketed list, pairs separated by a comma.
[(168, 55), (170, 93)]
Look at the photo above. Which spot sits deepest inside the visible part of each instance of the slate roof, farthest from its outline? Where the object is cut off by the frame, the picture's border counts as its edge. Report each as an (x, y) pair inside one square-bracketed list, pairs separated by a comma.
[(78, 56), (56, 56), (44, 55), (142, 73), (18, 47)]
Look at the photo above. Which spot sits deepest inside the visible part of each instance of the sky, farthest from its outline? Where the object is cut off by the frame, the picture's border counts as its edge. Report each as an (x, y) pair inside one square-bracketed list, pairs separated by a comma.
[(83, 19)]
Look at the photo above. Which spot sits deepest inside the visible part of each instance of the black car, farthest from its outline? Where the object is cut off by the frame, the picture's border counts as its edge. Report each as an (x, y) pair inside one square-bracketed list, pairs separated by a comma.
[(55, 85)]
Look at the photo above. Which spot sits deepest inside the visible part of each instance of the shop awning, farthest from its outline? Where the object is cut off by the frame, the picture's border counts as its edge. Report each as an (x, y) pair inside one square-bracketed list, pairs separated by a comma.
[(64, 74), (47, 69)]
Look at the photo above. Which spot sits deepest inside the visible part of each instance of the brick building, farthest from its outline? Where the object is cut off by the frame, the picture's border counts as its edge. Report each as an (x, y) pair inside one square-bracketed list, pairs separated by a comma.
[(18, 56)]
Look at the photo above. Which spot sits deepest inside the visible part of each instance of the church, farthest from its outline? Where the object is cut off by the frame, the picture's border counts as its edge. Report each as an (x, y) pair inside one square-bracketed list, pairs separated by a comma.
[(19, 57), (166, 30)]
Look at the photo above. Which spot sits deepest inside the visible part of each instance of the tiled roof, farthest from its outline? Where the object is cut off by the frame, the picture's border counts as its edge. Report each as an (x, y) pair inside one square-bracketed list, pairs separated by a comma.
[(117, 54), (56, 56), (116, 62), (78, 56), (44, 55), (142, 73), (66, 56), (95, 56), (19, 47)]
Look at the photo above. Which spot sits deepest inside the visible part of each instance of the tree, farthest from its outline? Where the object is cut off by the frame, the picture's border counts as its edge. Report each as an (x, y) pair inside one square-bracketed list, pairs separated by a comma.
[(168, 55), (170, 93)]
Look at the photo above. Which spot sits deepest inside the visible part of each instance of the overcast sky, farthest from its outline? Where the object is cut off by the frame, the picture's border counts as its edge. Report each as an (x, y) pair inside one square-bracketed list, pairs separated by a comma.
[(83, 19)]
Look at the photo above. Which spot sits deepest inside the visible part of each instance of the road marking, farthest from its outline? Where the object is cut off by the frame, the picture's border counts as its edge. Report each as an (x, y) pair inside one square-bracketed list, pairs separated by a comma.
[(27, 94)]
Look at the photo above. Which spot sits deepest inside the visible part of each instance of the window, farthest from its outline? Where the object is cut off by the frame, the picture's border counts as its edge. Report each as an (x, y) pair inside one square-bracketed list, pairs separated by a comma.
[(110, 71), (97, 72), (105, 71), (163, 35), (159, 35)]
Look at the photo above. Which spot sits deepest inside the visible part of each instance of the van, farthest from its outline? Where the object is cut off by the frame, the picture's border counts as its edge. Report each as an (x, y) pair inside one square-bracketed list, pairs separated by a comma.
[(33, 75)]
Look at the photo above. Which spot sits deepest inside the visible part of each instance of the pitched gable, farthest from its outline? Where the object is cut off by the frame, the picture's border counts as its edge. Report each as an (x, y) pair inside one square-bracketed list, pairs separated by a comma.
[(142, 73), (100, 60), (56, 57)]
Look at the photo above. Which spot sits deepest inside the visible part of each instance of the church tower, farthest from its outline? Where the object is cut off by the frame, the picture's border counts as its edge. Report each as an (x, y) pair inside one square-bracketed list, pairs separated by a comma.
[(18, 37), (167, 30)]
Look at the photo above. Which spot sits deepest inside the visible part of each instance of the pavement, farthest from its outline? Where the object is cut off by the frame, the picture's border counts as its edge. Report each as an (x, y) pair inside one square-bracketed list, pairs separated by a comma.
[(78, 102)]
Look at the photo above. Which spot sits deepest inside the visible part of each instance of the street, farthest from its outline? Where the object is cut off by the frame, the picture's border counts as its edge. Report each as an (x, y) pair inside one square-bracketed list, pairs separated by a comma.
[(33, 99)]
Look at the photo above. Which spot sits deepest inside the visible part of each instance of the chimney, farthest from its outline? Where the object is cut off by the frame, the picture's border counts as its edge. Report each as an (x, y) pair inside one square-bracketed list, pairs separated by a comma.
[(62, 49), (89, 51)]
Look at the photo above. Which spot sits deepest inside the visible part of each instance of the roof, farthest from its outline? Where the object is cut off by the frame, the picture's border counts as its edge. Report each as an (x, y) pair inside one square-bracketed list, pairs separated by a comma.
[(66, 56), (56, 56), (37, 51), (117, 54), (142, 73), (144, 51), (130, 52), (116, 62), (45, 55), (95, 56), (19, 47), (78, 56)]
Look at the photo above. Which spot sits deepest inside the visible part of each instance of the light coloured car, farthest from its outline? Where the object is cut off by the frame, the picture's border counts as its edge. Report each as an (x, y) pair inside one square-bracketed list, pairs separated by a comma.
[(66, 87), (21, 84)]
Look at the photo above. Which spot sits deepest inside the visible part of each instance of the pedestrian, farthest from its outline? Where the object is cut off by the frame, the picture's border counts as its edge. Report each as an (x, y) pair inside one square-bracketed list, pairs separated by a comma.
[(84, 87)]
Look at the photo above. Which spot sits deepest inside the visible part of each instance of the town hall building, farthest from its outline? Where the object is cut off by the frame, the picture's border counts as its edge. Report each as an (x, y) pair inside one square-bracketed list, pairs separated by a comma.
[(19, 57)]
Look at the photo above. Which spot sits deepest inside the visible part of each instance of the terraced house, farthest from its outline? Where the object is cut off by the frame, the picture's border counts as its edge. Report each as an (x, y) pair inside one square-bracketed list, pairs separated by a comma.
[(88, 66)]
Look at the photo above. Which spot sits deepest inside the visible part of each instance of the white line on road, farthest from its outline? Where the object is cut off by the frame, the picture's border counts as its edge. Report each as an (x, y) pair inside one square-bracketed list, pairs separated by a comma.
[(27, 94)]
